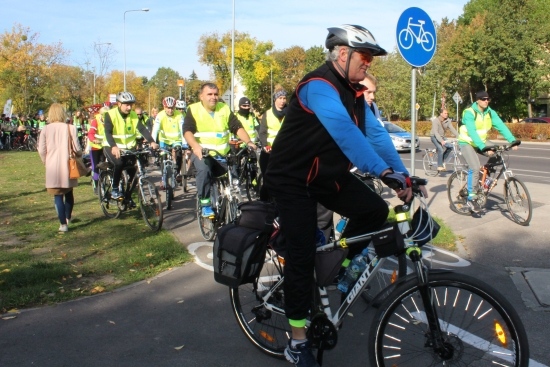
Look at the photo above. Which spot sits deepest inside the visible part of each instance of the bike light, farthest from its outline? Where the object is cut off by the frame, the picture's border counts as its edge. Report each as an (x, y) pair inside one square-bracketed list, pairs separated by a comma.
[(500, 333), (393, 277)]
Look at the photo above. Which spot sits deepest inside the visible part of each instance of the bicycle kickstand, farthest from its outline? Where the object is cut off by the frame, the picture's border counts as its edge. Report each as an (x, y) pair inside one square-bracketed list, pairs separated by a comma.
[(320, 351)]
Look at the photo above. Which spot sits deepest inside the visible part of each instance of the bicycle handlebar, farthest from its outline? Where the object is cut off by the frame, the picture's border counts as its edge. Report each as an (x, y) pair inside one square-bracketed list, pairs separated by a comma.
[(496, 148)]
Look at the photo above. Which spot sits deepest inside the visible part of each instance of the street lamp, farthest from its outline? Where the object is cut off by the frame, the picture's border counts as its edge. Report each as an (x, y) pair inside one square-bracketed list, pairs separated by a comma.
[(124, 31), (96, 49)]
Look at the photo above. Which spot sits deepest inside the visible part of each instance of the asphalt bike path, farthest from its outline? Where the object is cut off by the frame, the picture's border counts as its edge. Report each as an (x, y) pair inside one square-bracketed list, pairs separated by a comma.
[(183, 317)]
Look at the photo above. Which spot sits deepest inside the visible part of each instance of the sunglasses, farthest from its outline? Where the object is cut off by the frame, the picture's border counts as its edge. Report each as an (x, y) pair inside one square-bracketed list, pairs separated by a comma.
[(366, 56), (486, 99)]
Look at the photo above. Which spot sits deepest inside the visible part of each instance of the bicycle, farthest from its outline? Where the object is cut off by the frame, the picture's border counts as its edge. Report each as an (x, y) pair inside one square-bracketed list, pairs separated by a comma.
[(169, 174), (224, 196), (429, 161), (246, 167), (407, 36), (148, 197), (516, 195), (430, 317)]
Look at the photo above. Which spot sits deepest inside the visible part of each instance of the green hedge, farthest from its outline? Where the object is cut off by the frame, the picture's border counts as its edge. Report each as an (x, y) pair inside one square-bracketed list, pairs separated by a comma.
[(538, 132)]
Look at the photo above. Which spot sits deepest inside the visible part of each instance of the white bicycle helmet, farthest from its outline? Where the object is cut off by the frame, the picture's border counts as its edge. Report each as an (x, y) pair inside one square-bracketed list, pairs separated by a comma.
[(353, 36), (125, 97), (180, 104), (169, 102)]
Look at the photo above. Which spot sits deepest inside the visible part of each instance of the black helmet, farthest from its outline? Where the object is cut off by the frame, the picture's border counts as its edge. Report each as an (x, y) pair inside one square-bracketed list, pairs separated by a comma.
[(353, 36), (125, 97)]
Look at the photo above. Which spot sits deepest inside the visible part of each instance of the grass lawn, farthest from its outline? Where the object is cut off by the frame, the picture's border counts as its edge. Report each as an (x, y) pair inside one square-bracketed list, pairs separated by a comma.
[(39, 266)]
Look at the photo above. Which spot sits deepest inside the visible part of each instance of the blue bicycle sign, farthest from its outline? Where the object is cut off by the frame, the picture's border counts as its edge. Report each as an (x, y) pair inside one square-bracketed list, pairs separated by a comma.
[(416, 37)]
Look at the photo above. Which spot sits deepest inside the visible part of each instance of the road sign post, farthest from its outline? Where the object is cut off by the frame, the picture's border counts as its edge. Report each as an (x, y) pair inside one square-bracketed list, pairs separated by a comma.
[(416, 41), (458, 99)]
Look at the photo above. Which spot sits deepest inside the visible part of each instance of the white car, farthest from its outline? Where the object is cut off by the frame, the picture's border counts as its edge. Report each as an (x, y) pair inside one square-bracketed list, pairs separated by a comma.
[(400, 137)]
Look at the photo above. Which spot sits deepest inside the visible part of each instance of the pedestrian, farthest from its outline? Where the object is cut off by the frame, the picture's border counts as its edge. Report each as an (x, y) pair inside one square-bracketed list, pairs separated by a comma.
[(95, 139), (371, 84), (53, 147)]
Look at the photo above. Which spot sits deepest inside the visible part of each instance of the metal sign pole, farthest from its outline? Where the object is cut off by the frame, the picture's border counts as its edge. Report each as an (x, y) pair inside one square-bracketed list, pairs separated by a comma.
[(413, 118)]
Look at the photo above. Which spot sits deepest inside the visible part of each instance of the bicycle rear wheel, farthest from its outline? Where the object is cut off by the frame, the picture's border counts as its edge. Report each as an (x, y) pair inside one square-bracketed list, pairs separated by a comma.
[(110, 207), (266, 327), (518, 201), (150, 204), (479, 327), (457, 192), (430, 163)]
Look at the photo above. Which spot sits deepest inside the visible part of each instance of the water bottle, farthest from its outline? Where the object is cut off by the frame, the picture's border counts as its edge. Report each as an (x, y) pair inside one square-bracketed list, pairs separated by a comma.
[(320, 239), (340, 226), (354, 269), (488, 182)]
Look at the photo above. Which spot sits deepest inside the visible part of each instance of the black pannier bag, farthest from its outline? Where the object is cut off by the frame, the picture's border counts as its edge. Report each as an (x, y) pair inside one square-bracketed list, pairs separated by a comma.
[(240, 247)]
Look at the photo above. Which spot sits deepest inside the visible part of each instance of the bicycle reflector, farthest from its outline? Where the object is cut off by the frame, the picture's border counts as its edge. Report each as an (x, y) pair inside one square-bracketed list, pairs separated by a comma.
[(267, 336), (501, 335)]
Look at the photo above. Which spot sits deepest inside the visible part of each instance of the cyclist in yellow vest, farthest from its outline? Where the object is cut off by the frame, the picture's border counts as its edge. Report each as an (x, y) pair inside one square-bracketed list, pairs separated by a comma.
[(168, 131), (121, 129), (96, 134), (248, 119), (208, 124), (269, 127), (477, 120)]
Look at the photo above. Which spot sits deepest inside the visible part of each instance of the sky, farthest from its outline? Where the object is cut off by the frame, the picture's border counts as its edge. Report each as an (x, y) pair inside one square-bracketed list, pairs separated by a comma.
[(168, 34)]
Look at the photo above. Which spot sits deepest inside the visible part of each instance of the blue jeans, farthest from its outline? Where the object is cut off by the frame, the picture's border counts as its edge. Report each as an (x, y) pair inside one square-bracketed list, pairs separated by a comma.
[(441, 156), (64, 206)]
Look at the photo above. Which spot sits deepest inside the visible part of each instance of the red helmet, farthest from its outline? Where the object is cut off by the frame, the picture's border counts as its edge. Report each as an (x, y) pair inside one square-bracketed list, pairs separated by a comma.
[(169, 102)]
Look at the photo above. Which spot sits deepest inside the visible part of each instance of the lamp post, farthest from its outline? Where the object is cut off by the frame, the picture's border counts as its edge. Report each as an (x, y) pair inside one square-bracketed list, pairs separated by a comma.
[(96, 49), (232, 103), (124, 32)]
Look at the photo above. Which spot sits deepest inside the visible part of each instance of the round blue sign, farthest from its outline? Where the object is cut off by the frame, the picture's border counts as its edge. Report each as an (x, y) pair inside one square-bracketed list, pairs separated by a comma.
[(416, 37)]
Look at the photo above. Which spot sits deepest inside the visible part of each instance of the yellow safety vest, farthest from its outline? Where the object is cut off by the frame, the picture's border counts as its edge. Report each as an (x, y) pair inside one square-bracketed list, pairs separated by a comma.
[(124, 131), (170, 127), (99, 133), (248, 124), (273, 126), (483, 125), (212, 133)]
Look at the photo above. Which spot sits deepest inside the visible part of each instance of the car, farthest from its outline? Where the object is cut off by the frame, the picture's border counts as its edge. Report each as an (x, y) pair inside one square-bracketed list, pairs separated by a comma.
[(400, 137), (536, 120)]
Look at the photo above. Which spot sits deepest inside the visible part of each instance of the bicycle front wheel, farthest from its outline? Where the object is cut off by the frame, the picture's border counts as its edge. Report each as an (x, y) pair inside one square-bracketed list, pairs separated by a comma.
[(168, 186), (259, 308), (457, 192), (479, 327), (150, 205), (110, 207), (206, 225), (430, 163), (518, 201)]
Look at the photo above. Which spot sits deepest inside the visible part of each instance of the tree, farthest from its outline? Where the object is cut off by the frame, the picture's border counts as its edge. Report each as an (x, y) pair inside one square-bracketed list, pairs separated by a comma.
[(165, 81), (26, 67)]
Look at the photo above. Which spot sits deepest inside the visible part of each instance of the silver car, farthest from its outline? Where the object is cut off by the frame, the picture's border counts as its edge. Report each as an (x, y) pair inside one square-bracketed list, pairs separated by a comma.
[(400, 137)]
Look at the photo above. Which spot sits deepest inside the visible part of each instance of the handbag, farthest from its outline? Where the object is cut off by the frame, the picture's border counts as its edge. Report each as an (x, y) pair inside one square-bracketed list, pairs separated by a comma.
[(77, 167)]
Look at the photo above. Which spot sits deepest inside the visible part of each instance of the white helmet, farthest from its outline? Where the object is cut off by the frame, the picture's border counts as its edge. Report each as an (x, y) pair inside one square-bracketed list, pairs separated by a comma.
[(353, 36), (180, 104), (169, 102), (125, 97)]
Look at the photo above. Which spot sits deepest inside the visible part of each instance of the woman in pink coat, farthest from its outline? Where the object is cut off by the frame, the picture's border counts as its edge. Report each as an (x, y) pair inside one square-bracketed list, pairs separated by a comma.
[(53, 148)]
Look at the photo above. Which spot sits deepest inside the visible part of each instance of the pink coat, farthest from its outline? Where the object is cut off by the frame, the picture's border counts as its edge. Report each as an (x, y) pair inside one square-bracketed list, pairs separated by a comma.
[(53, 147)]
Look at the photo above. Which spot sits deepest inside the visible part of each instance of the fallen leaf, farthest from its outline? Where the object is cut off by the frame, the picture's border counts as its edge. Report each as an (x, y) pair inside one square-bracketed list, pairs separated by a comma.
[(179, 348), (149, 254), (181, 301), (132, 269), (350, 314), (112, 322), (8, 317), (6, 271), (98, 289), (79, 276), (13, 310)]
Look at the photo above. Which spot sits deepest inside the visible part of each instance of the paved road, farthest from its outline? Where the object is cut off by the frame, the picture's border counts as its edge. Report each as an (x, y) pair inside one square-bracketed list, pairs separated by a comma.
[(183, 317)]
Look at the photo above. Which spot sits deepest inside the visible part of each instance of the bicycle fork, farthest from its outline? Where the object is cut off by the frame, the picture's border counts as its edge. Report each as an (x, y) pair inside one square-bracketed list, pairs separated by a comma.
[(434, 337)]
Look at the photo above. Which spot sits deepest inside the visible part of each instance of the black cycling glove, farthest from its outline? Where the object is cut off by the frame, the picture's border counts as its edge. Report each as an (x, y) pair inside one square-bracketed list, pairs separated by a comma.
[(396, 180)]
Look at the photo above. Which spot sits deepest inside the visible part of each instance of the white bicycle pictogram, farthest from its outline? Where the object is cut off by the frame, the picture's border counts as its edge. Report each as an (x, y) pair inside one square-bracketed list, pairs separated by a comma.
[(407, 35)]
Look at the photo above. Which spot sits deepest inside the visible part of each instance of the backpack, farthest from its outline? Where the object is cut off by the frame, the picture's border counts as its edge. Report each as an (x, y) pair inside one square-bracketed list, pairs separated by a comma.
[(240, 247)]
